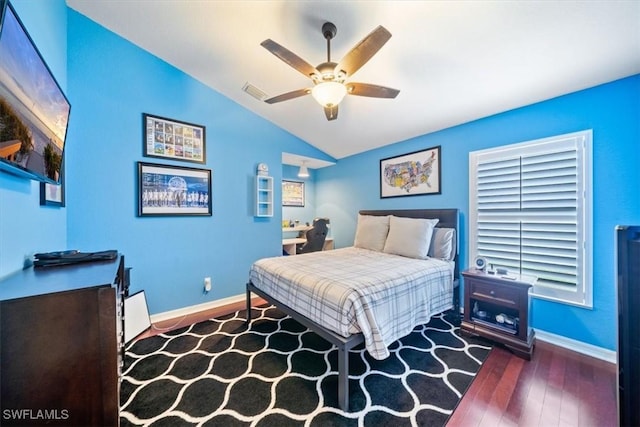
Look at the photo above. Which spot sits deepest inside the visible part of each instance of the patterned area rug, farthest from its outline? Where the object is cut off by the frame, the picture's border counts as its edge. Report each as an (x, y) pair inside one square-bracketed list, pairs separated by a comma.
[(278, 373)]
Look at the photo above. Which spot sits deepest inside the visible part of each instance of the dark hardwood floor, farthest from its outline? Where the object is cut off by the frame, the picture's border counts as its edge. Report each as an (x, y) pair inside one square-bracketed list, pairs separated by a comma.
[(558, 387)]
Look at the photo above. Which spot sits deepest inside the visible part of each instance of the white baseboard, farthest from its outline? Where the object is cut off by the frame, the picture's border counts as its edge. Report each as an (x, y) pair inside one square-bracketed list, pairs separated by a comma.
[(577, 346), (174, 314)]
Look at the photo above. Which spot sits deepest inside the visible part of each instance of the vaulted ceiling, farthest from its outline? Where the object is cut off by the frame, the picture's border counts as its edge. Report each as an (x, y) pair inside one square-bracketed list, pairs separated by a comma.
[(453, 61)]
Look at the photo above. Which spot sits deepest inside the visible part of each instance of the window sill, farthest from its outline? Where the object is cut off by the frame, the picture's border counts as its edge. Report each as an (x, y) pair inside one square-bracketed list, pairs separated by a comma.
[(588, 305)]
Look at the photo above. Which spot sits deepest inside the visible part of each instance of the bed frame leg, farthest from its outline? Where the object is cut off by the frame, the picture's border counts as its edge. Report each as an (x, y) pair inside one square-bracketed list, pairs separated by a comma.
[(343, 379), (248, 320)]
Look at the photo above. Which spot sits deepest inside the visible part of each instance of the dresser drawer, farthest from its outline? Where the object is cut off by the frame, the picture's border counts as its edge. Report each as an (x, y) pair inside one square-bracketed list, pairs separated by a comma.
[(492, 292)]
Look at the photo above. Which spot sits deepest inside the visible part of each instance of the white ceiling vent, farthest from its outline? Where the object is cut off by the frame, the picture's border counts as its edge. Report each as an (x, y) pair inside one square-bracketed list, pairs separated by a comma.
[(254, 91)]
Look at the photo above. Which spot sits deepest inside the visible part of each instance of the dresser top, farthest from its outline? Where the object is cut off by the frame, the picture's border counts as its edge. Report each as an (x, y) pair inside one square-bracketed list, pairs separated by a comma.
[(45, 280)]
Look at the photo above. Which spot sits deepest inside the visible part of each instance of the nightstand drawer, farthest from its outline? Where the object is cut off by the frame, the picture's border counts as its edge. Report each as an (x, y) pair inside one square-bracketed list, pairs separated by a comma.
[(491, 291)]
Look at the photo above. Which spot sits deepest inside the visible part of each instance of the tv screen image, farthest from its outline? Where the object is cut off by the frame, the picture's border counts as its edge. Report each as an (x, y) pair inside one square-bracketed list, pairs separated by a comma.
[(34, 111)]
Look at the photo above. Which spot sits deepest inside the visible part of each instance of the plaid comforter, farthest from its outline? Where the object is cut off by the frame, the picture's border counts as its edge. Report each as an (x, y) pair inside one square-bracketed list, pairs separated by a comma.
[(352, 290)]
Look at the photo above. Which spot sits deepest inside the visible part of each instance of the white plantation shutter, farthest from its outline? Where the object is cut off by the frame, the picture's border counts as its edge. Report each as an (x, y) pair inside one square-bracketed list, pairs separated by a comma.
[(530, 212)]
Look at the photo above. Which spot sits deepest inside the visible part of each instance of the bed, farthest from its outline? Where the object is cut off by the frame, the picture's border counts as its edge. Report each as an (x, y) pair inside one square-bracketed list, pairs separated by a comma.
[(373, 293)]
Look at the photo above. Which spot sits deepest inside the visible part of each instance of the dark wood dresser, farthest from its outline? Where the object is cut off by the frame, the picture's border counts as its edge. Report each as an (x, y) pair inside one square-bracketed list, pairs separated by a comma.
[(61, 336)]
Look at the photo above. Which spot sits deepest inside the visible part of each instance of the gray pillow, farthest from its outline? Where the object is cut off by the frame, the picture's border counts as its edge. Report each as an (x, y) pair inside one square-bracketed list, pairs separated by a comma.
[(443, 244), (371, 232), (410, 237)]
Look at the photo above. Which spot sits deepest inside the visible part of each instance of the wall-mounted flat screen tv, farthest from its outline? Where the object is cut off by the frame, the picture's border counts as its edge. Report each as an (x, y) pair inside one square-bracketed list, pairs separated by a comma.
[(34, 111)]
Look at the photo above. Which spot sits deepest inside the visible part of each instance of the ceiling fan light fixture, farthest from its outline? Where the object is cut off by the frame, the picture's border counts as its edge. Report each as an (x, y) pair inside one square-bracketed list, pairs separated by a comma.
[(329, 94)]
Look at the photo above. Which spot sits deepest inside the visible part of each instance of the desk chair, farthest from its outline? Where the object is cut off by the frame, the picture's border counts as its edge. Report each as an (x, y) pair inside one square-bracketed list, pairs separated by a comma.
[(315, 237)]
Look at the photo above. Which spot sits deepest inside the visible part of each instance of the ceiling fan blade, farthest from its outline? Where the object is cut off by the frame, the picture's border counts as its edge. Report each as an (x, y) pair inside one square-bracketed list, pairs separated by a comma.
[(289, 57), (363, 51), (287, 96), (372, 91), (331, 112)]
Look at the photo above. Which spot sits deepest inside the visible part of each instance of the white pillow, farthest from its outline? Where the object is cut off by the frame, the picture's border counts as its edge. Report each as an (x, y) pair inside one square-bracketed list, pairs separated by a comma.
[(443, 244), (371, 232), (410, 237)]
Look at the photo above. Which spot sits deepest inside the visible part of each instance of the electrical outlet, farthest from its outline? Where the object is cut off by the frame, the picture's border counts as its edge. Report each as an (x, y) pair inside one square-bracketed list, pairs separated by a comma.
[(207, 284)]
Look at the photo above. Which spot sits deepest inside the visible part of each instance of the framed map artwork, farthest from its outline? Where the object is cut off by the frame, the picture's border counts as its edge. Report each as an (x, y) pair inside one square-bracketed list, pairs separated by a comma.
[(411, 174)]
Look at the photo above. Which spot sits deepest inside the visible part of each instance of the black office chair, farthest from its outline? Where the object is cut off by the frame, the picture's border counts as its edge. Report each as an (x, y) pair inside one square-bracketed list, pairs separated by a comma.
[(315, 237)]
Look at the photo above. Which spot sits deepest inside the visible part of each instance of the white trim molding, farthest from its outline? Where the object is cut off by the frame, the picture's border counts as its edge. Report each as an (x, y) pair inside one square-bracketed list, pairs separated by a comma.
[(185, 311), (577, 346)]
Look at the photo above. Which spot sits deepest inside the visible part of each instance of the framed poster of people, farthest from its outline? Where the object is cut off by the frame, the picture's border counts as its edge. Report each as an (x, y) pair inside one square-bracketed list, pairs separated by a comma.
[(411, 174), (173, 190), (173, 139)]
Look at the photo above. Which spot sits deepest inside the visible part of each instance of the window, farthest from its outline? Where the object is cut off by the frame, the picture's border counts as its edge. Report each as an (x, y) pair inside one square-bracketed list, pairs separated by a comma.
[(530, 211)]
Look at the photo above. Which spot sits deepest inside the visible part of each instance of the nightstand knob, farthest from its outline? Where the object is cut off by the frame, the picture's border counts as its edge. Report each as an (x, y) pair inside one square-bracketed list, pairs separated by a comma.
[(492, 293)]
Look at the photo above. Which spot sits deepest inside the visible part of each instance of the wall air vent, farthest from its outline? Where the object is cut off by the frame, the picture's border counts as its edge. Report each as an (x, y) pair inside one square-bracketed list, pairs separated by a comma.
[(254, 91)]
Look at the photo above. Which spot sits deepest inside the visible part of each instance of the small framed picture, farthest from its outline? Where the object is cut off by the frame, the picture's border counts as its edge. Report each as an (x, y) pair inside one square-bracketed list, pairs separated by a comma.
[(292, 193), (411, 174), (173, 190), (173, 139), (51, 194)]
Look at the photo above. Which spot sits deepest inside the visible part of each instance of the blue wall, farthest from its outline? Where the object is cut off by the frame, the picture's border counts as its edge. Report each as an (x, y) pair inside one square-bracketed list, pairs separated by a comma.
[(112, 82), (25, 226), (611, 110)]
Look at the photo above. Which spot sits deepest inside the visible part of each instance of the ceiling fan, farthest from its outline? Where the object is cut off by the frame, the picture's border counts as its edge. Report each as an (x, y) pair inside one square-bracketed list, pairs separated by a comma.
[(329, 78)]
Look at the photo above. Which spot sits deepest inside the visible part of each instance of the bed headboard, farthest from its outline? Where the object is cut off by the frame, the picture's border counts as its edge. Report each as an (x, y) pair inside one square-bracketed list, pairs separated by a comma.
[(448, 218)]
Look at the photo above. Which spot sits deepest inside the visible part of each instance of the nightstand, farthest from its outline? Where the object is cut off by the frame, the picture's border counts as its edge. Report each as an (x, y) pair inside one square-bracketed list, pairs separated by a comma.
[(497, 307)]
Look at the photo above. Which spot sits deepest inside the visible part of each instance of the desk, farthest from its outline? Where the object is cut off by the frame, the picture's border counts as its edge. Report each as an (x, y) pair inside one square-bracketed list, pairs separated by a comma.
[(297, 228), (289, 245)]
